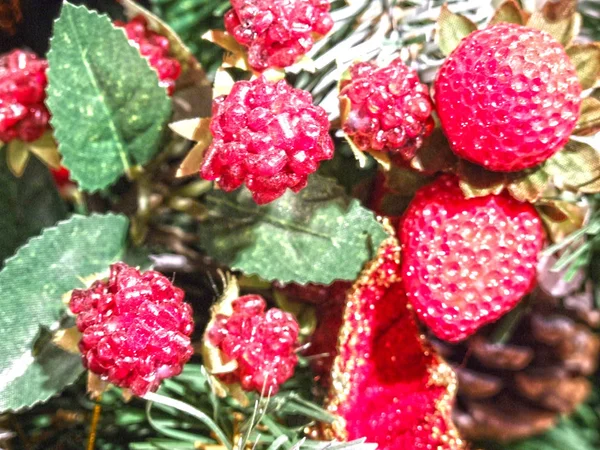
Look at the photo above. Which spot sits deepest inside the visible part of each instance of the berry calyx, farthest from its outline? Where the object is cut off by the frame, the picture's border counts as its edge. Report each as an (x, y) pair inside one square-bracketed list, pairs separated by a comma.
[(390, 109), (466, 262), (262, 344), (155, 48), (508, 97), (136, 328), (23, 114), (277, 32), (267, 135)]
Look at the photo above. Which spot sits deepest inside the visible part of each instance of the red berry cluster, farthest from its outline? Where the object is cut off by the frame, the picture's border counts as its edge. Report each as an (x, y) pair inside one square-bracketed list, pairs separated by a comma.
[(155, 48), (267, 135), (465, 262), (262, 344), (136, 328), (390, 108), (23, 114), (508, 97), (277, 32)]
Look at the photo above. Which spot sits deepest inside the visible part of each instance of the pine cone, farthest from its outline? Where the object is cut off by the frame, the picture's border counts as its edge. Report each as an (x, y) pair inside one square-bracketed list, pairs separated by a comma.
[(520, 386)]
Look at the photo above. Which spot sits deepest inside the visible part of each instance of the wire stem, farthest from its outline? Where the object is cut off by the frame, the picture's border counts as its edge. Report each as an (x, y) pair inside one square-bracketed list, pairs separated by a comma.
[(94, 424)]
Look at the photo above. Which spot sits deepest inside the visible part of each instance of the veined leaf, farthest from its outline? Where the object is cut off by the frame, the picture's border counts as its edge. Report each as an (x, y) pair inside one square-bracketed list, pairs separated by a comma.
[(108, 110), (318, 235), (32, 285)]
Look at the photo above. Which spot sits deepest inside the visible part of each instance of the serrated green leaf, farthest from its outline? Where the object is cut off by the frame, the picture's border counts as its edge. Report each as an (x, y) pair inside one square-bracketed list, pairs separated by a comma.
[(452, 28), (108, 110), (28, 205), (31, 288), (318, 235)]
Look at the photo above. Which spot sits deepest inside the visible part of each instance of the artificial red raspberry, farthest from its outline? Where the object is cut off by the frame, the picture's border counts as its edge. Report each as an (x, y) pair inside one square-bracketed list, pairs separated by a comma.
[(155, 48), (277, 32), (267, 135), (390, 109), (23, 114), (508, 97), (136, 328), (465, 262), (262, 344), (62, 176)]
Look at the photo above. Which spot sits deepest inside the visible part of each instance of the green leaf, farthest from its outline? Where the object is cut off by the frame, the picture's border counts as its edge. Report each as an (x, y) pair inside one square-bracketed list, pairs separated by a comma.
[(28, 205), (31, 289), (108, 110), (318, 235), (452, 28)]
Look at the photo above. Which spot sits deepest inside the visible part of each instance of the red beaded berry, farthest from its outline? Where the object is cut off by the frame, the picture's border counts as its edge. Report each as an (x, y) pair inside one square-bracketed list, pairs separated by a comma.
[(277, 32), (267, 135), (23, 114), (155, 48), (390, 109), (466, 262), (136, 328), (508, 97), (262, 344)]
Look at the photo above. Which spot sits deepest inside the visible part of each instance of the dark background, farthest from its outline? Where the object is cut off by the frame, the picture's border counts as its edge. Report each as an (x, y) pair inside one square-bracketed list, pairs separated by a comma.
[(34, 29)]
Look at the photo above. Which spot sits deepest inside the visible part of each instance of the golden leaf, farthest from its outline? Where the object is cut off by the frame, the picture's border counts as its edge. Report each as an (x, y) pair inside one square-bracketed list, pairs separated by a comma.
[(586, 58), (555, 11), (563, 30), (195, 130), (451, 29), (46, 150), (475, 181), (95, 385), (435, 154), (223, 83), (17, 155), (67, 339), (576, 167), (530, 185), (237, 56), (508, 12), (382, 158), (589, 118), (561, 218)]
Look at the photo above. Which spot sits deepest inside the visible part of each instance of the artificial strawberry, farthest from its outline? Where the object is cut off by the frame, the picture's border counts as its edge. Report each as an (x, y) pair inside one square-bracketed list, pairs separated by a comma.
[(262, 344), (136, 328), (465, 262), (155, 48), (267, 135), (389, 108), (277, 32), (508, 97), (388, 385), (23, 114)]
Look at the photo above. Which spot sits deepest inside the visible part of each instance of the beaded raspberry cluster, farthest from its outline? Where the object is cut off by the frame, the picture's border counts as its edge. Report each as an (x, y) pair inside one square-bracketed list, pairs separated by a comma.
[(465, 262), (155, 48), (390, 109), (277, 32), (262, 343), (136, 328), (267, 135), (508, 97), (23, 114)]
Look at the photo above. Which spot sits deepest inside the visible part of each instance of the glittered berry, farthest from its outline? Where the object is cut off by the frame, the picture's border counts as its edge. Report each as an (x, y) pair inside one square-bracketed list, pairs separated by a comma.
[(508, 97), (262, 344), (136, 328), (267, 135), (23, 114), (390, 109), (155, 48), (277, 32), (466, 262)]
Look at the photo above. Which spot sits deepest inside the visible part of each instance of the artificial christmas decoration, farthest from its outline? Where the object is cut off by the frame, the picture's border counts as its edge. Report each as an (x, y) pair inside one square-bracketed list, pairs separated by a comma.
[(520, 107), (389, 109), (136, 328), (465, 262), (262, 344), (155, 48), (364, 266), (267, 135), (277, 32), (23, 114)]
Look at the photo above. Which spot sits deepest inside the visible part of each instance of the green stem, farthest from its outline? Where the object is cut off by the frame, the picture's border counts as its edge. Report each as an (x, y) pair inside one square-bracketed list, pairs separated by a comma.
[(188, 409)]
